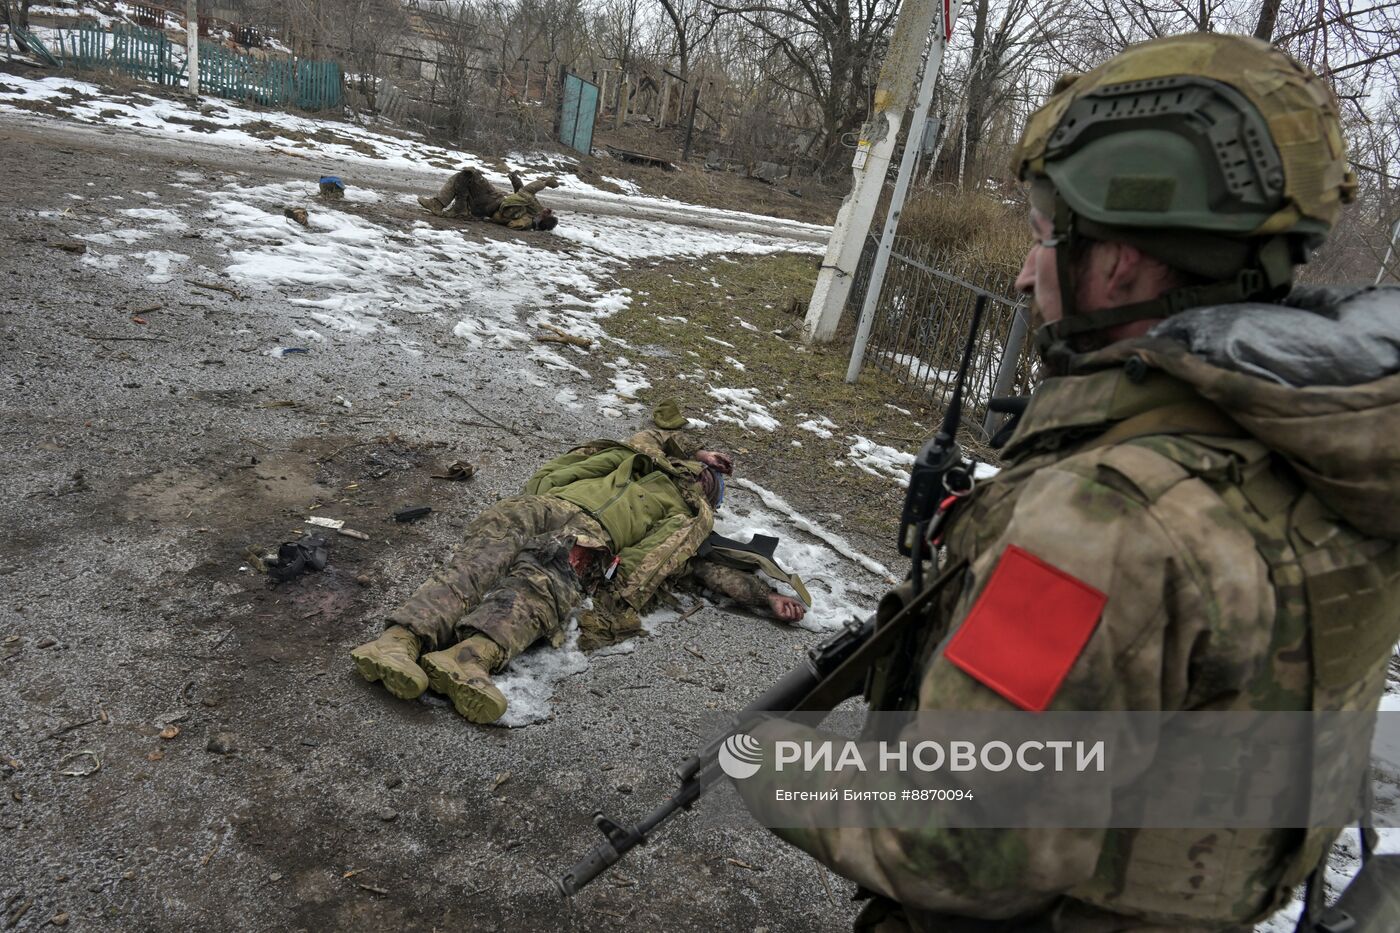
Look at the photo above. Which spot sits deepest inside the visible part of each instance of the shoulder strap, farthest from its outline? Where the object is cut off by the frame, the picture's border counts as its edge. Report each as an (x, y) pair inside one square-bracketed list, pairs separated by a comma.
[(1196, 416)]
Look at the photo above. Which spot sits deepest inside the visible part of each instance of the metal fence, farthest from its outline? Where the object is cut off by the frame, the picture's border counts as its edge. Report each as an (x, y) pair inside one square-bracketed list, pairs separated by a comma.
[(144, 54), (309, 85), (149, 55), (922, 321), (576, 112)]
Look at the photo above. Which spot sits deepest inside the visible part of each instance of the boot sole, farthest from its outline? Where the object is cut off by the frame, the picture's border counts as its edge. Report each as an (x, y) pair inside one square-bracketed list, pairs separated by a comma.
[(402, 685), (472, 705)]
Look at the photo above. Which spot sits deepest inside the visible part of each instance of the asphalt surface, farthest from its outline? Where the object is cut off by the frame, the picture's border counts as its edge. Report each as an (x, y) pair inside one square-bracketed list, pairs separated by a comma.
[(142, 462)]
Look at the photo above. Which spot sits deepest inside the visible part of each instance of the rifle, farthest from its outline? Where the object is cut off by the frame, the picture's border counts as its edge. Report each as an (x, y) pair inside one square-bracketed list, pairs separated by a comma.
[(834, 670), (793, 692)]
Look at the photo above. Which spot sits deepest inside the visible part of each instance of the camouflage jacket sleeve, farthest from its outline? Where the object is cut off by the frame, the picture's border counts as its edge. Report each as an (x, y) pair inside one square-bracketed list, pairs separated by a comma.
[(676, 445), (538, 185), (742, 586), (1179, 575)]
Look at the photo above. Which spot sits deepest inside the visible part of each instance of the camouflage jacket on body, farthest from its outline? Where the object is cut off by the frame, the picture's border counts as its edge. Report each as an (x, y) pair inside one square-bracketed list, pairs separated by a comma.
[(1231, 483), (645, 495), (519, 210)]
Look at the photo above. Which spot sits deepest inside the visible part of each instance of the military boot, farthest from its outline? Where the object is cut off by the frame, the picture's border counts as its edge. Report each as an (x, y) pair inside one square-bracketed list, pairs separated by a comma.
[(432, 205), (393, 658), (462, 673)]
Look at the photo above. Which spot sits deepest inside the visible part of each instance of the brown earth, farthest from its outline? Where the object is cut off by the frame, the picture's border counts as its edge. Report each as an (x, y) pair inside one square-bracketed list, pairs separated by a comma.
[(144, 460)]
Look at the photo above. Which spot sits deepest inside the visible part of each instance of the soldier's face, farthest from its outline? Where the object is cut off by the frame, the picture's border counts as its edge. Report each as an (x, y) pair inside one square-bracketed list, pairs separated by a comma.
[(1039, 279)]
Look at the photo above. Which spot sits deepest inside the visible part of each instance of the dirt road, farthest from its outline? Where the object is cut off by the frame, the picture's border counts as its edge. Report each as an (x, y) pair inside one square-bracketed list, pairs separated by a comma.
[(150, 440), (396, 178)]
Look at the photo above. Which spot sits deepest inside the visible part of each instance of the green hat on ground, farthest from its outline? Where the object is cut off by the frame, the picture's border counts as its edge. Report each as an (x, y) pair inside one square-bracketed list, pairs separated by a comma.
[(668, 416)]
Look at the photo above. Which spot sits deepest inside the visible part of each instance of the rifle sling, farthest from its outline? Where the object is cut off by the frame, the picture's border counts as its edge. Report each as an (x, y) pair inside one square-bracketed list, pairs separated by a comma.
[(846, 680)]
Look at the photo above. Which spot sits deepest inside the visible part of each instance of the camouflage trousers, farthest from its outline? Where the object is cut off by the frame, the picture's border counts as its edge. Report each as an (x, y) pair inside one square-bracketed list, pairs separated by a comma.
[(468, 191), (510, 580)]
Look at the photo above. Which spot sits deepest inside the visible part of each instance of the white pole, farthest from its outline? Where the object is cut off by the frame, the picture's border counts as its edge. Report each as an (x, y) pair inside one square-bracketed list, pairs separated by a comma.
[(192, 44), (913, 143), (871, 163), (1389, 251)]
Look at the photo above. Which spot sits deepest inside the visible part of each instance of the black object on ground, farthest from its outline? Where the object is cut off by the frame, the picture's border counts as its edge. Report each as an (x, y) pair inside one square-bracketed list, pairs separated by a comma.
[(640, 158), (295, 558), (412, 514)]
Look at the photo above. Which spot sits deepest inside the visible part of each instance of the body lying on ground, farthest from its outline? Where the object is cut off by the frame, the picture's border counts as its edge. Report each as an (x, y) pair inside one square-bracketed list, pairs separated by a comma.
[(617, 520), (468, 193)]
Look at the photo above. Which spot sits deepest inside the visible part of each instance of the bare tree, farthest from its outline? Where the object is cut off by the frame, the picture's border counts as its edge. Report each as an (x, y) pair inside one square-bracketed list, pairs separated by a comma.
[(831, 49), (15, 13), (692, 22)]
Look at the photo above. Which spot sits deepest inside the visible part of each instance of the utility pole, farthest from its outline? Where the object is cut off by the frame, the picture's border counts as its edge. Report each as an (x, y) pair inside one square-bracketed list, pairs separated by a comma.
[(624, 89), (192, 44), (871, 163), (913, 146)]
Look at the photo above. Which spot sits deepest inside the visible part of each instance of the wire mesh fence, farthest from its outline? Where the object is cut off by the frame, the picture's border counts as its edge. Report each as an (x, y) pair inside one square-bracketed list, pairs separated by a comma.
[(922, 321)]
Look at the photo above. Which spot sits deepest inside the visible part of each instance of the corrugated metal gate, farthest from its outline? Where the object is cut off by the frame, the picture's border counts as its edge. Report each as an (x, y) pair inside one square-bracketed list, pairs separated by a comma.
[(577, 110), (922, 320)]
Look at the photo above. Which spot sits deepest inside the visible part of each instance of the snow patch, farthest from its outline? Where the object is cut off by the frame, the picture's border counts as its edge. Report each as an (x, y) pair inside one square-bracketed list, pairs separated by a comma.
[(837, 543), (622, 398), (879, 460), (741, 408), (160, 261), (821, 427), (165, 221), (529, 681)]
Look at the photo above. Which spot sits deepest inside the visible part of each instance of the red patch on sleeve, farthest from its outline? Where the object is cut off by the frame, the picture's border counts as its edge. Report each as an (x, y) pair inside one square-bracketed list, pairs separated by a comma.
[(1026, 630)]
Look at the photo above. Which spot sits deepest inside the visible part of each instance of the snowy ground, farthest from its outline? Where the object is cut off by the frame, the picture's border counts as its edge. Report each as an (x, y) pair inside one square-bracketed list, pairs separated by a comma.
[(352, 276), (319, 141)]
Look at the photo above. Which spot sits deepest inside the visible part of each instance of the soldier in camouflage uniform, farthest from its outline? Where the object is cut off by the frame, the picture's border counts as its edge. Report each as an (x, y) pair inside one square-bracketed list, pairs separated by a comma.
[(1214, 452), (468, 192), (629, 516)]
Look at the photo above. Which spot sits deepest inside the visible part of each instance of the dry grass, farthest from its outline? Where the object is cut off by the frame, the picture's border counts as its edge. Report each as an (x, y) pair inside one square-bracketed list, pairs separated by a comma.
[(962, 224), (685, 359)]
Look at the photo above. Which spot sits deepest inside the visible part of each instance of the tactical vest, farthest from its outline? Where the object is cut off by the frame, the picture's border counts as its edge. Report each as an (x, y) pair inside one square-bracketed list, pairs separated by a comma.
[(1337, 619)]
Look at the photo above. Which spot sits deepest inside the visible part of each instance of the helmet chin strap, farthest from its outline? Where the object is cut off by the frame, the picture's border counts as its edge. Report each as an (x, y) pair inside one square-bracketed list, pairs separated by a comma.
[(1053, 345), (1271, 271)]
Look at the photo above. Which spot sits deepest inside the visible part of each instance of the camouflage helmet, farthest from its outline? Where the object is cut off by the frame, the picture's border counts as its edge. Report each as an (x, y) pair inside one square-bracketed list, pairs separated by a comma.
[(1203, 132), (1219, 155)]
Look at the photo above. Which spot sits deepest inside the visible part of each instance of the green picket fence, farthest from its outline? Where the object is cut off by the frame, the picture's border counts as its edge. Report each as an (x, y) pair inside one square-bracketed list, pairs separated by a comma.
[(318, 85), (309, 85), (149, 55), (27, 44), (144, 54)]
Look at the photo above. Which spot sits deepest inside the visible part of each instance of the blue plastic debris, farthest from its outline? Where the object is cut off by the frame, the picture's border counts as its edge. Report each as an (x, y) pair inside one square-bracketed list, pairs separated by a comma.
[(332, 187)]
